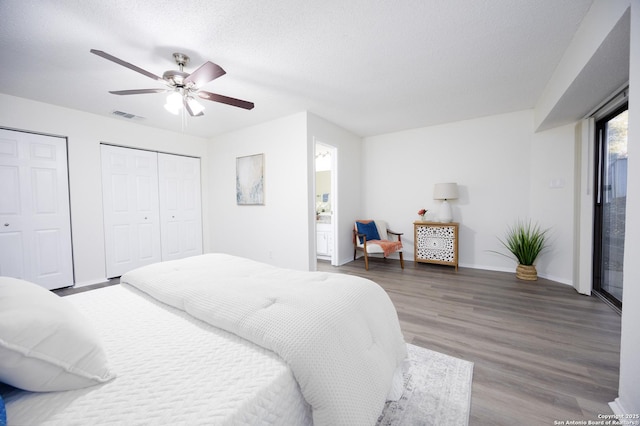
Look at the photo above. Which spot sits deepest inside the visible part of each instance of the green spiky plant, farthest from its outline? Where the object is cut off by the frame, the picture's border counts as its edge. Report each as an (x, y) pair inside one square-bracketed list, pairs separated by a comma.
[(525, 241)]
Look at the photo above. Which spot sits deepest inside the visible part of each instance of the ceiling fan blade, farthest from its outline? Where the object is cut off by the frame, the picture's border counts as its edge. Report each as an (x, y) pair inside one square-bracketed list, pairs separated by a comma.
[(125, 64), (225, 100), (207, 72), (138, 91)]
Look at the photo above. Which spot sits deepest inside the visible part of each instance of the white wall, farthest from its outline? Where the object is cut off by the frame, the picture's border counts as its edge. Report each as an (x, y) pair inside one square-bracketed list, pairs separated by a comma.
[(559, 95), (84, 133), (553, 163), (629, 389), (278, 231), (503, 171), (348, 175), (282, 232)]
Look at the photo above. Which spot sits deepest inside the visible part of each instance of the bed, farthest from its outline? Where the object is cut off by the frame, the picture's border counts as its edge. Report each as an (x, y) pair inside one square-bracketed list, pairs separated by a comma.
[(218, 339)]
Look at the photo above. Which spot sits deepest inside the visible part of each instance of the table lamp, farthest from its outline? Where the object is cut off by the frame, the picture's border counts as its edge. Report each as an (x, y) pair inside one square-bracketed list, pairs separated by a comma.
[(444, 192)]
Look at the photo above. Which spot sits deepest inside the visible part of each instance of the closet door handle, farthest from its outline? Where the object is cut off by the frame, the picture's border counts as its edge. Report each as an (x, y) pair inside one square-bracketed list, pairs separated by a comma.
[(6, 224)]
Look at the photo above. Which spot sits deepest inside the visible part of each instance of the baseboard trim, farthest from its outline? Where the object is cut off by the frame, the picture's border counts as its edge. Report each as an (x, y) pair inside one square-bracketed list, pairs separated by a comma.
[(513, 270), (617, 408), (482, 267), (556, 279)]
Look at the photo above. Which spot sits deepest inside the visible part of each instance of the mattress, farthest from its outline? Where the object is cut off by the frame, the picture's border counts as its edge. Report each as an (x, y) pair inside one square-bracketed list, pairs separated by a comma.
[(338, 333), (171, 369)]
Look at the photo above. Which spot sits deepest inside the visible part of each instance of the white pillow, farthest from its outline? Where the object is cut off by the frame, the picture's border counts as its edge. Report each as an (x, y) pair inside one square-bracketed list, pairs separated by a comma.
[(45, 343)]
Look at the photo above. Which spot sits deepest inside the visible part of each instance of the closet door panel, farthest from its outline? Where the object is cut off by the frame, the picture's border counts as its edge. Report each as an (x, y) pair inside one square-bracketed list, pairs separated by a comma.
[(10, 189), (116, 205), (193, 232), (119, 193), (11, 255), (152, 208), (180, 206), (171, 240), (130, 203), (12, 232), (34, 209), (47, 242), (147, 193), (147, 252), (44, 191)]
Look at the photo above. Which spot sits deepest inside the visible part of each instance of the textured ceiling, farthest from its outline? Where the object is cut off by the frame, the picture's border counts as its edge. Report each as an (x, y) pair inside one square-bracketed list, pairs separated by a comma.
[(371, 67)]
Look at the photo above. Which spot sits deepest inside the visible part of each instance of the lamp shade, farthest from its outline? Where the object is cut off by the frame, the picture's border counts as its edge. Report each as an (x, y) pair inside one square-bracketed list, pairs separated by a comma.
[(196, 107), (445, 191), (174, 103)]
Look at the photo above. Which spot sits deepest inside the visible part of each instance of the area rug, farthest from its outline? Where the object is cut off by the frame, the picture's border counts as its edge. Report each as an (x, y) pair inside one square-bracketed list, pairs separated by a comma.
[(437, 391)]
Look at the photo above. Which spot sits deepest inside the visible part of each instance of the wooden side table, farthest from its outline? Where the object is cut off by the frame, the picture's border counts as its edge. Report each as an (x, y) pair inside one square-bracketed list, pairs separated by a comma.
[(436, 242)]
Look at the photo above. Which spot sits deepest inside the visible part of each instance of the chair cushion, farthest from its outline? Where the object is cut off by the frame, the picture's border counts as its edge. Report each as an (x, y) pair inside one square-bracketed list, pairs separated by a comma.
[(377, 248), (369, 230), (384, 246)]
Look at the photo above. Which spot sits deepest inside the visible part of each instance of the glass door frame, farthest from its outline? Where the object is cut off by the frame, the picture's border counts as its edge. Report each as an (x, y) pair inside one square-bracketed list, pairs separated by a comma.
[(598, 212)]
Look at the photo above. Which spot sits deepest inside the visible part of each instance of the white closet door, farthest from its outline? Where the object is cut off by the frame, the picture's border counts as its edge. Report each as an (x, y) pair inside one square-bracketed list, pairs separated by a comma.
[(130, 203), (35, 224), (180, 206)]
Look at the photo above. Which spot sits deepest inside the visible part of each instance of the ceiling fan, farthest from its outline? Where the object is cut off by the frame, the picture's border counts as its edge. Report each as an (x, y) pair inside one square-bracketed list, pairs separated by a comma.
[(182, 86)]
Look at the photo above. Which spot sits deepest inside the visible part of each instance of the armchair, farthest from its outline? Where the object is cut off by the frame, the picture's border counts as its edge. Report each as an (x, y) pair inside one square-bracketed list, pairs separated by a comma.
[(374, 237)]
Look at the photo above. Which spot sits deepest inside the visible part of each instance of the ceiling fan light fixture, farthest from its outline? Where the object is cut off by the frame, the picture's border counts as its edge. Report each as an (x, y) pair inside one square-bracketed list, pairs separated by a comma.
[(196, 107), (174, 103), (183, 85)]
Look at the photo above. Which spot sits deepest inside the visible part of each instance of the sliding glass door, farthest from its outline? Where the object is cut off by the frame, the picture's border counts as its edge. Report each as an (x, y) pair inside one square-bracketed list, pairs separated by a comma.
[(610, 204)]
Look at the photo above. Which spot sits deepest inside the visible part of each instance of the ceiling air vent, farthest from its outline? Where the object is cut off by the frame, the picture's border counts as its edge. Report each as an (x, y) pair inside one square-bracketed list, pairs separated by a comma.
[(126, 115)]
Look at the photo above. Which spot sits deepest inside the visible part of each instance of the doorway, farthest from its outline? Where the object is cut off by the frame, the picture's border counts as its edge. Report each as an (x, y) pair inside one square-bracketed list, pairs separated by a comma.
[(610, 204), (326, 202)]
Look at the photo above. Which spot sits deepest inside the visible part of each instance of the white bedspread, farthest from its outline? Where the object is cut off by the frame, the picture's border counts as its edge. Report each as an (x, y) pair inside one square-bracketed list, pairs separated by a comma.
[(171, 369), (339, 334)]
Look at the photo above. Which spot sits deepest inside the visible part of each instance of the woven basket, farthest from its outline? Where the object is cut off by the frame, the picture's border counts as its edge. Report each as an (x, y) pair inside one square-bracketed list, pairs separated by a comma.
[(527, 272)]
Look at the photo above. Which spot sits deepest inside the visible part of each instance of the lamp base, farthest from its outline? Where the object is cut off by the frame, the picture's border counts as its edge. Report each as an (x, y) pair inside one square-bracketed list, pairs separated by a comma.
[(444, 214)]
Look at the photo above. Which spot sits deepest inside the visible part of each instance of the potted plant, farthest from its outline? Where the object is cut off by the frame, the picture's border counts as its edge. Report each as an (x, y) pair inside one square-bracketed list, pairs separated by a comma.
[(525, 241)]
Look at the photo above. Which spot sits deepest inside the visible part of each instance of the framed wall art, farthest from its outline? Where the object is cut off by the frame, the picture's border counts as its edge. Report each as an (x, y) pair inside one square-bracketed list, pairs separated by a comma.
[(250, 180)]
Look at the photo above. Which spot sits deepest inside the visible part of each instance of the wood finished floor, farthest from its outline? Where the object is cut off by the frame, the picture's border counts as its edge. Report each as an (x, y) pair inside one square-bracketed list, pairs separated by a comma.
[(541, 351)]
